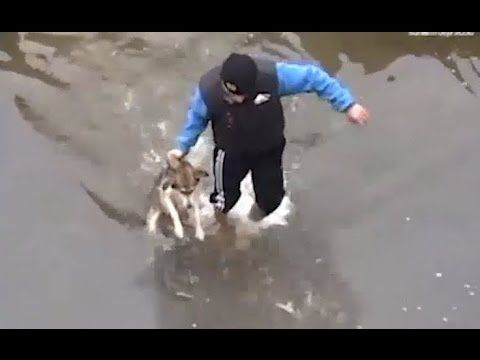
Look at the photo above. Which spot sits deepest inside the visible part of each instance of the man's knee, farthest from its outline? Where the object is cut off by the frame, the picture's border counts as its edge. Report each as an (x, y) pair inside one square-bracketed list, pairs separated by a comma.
[(268, 204)]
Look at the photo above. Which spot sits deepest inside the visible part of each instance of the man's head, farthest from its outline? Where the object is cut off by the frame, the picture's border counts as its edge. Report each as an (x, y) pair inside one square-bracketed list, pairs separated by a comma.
[(239, 76)]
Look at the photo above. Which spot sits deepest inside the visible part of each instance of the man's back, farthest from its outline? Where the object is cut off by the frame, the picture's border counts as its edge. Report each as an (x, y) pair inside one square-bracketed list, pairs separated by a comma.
[(251, 126)]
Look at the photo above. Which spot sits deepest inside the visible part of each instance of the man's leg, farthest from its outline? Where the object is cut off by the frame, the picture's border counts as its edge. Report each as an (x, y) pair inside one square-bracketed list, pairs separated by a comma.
[(229, 171), (267, 175)]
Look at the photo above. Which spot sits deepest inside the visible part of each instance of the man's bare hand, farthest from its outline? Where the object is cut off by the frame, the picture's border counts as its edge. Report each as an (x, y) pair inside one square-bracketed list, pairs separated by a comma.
[(358, 114), (175, 155)]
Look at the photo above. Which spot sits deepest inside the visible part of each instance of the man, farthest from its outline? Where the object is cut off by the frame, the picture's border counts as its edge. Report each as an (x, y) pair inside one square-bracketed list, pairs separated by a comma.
[(241, 98)]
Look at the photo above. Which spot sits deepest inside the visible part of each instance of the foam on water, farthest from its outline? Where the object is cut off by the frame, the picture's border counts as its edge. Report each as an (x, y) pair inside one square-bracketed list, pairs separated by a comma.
[(247, 199), (239, 214)]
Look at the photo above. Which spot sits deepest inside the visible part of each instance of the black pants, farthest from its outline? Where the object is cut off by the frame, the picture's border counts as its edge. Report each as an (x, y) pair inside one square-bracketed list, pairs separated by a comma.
[(267, 174)]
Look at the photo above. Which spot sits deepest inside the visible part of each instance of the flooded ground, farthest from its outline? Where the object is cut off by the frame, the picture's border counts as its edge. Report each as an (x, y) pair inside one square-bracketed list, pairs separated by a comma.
[(385, 228)]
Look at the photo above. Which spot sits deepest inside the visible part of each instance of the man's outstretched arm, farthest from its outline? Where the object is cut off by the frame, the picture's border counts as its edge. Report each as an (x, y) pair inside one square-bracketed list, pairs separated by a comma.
[(195, 124), (310, 78)]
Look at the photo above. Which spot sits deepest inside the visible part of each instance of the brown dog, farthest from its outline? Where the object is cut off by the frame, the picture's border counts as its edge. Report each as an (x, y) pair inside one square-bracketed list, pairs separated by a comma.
[(173, 192)]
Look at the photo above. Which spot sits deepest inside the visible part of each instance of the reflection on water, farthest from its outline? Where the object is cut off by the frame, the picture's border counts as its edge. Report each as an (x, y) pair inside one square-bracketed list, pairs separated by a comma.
[(375, 51), (30, 53), (27, 58)]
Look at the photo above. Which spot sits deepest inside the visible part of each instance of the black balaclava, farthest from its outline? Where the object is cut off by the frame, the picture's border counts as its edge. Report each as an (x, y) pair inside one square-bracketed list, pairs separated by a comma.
[(240, 71)]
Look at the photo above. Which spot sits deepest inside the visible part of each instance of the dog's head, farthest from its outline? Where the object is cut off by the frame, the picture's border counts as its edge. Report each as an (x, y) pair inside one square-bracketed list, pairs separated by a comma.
[(183, 176)]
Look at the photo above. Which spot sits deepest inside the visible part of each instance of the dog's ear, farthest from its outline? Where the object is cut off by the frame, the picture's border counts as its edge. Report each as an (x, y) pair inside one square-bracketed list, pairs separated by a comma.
[(200, 173)]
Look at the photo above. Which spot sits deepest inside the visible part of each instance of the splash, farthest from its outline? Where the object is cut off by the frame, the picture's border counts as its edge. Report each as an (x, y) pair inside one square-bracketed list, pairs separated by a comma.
[(239, 213), (242, 208)]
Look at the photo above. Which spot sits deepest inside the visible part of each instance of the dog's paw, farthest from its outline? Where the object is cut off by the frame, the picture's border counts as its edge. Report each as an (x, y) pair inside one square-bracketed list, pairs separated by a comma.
[(151, 228), (179, 233), (200, 234)]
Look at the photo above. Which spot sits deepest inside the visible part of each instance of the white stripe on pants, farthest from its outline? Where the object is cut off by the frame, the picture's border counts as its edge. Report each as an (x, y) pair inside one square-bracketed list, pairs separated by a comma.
[(220, 197)]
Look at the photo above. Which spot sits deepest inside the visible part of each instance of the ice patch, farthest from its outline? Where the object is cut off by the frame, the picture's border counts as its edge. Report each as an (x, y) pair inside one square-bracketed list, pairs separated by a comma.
[(151, 161), (162, 126), (128, 100), (4, 56)]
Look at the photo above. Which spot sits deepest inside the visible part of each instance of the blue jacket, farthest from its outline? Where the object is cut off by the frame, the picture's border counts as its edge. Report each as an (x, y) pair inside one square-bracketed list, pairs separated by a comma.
[(293, 78)]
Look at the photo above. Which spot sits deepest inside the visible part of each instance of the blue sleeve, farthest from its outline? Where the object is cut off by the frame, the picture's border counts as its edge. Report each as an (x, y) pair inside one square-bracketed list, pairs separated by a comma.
[(195, 123), (307, 78)]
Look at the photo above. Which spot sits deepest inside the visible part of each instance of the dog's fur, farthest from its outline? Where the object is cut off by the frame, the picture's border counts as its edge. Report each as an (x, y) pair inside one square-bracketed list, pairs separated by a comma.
[(175, 191)]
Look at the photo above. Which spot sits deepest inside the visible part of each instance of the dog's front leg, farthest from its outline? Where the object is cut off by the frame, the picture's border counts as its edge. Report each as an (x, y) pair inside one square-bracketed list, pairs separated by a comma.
[(177, 225), (199, 233), (152, 218)]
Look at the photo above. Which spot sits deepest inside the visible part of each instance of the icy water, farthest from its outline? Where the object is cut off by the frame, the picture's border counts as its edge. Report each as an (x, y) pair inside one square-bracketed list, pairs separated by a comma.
[(384, 227)]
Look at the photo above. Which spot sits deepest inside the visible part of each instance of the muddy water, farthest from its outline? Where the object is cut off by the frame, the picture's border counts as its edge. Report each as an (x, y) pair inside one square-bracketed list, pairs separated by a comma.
[(379, 211)]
